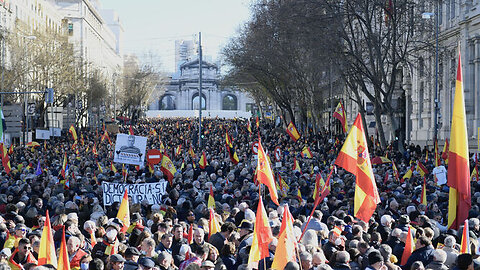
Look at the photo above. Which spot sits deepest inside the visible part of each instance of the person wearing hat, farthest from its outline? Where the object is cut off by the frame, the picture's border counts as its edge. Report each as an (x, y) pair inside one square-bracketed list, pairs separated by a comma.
[(20, 232), (375, 261), (146, 263), (116, 262), (4, 255), (131, 256), (246, 232), (109, 245)]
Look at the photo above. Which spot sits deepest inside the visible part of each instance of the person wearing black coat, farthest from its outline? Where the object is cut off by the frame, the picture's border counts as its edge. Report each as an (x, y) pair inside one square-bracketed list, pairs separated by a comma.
[(423, 252)]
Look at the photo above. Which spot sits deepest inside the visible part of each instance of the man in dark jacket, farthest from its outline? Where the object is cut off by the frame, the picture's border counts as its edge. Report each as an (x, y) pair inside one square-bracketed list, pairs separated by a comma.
[(218, 239), (342, 260), (423, 252), (439, 258), (131, 256)]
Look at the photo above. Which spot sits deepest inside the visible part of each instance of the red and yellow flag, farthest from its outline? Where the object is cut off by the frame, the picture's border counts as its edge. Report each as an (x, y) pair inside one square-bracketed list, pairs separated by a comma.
[(285, 251), (262, 235), (465, 246), (437, 156), (190, 235), (458, 180), (213, 224), (354, 158), (211, 199), (293, 132), (203, 161), (306, 153), (46, 253), (73, 132), (445, 151), (130, 131), (341, 115), (423, 198), (112, 168), (178, 150), (124, 212), (249, 127), (421, 169), (100, 169), (396, 175), (167, 167), (408, 174), (408, 247), (63, 260), (191, 152), (474, 175), (296, 165), (265, 174)]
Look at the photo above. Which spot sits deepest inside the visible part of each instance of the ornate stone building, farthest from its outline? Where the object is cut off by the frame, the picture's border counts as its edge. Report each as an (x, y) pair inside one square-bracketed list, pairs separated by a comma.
[(459, 27), (182, 91)]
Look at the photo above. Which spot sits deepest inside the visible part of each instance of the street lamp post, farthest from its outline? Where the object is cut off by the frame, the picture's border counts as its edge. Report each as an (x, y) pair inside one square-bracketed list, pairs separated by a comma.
[(435, 15), (25, 136)]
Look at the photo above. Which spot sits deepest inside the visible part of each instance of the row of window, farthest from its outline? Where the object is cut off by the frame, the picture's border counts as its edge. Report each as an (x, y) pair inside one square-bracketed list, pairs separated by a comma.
[(168, 102)]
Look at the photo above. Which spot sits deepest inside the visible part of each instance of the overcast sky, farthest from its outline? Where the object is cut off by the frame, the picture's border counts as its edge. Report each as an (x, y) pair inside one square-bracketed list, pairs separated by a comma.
[(152, 26)]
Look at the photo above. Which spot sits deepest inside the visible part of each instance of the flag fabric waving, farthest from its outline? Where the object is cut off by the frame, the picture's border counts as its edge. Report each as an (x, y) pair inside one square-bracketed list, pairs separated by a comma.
[(46, 253), (73, 132), (445, 151), (423, 197), (421, 169), (465, 244), (293, 132), (203, 161), (265, 174), (306, 153), (407, 251), (64, 166), (285, 251), (354, 158), (211, 199), (63, 259), (213, 224), (341, 115), (231, 151), (459, 202), (168, 168), (124, 212), (262, 235)]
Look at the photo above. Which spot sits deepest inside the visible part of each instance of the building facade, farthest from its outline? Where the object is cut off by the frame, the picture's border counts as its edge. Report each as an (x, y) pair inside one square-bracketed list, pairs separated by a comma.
[(182, 91), (459, 27), (96, 38)]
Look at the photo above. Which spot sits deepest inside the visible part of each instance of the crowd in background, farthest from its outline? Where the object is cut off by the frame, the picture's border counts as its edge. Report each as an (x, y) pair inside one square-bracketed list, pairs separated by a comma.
[(158, 236)]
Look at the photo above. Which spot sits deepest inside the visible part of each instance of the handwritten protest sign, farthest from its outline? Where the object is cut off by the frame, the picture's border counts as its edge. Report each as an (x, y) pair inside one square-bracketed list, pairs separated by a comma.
[(152, 192)]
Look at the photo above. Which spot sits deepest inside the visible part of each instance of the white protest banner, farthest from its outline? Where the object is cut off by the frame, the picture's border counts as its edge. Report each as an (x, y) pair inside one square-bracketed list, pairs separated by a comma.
[(152, 192), (130, 149)]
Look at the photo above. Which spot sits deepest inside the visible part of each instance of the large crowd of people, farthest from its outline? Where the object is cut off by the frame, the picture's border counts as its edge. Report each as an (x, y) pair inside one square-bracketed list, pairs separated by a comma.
[(158, 237)]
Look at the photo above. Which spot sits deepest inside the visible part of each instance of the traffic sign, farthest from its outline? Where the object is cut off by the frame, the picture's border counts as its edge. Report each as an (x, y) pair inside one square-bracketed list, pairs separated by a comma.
[(255, 148), (31, 108), (154, 156), (278, 154)]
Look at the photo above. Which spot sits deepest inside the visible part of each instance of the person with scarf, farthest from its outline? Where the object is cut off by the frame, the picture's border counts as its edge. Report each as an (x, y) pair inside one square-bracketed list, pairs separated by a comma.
[(109, 245), (22, 255)]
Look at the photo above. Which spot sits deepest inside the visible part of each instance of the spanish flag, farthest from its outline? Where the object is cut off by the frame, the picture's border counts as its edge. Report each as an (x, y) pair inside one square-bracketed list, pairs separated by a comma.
[(299, 196), (130, 130), (191, 152), (5, 159), (124, 212), (10, 150), (407, 251), (94, 150), (249, 127), (354, 158), (46, 253), (474, 175), (296, 166), (306, 153), (458, 174), (396, 175), (64, 165), (341, 115), (63, 261), (465, 246), (73, 132), (285, 251), (167, 167), (203, 161), (293, 132), (211, 200), (319, 183), (445, 151), (213, 224), (423, 198), (408, 174), (262, 235), (265, 174), (178, 150), (112, 168), (231, 151), (421, 169)]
